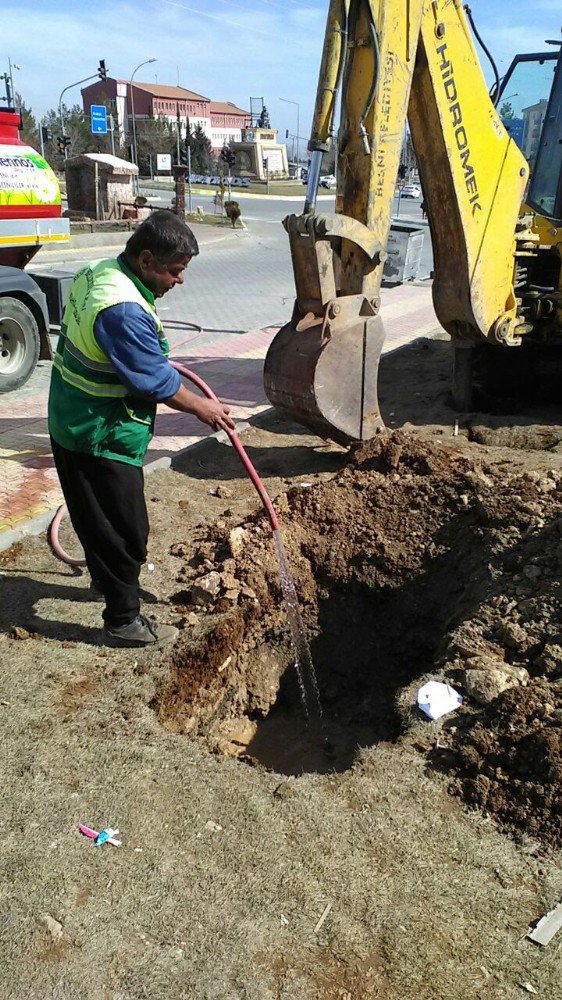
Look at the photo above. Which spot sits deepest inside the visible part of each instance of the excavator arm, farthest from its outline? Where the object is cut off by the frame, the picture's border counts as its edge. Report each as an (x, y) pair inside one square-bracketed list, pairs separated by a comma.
[(392, 59)]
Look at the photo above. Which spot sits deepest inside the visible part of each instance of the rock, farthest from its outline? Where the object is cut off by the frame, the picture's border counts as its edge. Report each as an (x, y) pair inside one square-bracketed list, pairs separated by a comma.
[(493, 663), (248, 592), (206, 588), (229, 582), (483, 685), (532, 572), (286, 790), (231, 596), (237, 539), (17, 632), (179, 549), (238, 731), (550, 660), (483, 662), (514, 637), (53, 926)]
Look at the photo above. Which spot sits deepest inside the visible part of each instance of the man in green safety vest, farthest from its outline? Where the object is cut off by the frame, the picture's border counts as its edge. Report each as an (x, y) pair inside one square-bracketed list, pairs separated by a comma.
[(110, 371)]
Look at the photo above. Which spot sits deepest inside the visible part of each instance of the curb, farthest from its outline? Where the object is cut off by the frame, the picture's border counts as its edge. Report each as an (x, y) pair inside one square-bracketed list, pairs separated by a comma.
[(37, 525), (83, 241), (240, 193)]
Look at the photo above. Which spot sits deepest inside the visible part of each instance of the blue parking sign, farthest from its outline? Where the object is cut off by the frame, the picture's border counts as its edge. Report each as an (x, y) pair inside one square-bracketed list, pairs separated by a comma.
[(98, 117)]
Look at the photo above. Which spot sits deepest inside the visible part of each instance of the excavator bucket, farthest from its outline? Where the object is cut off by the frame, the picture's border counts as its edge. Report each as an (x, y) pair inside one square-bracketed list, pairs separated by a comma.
[(322, 367), (325, 375)]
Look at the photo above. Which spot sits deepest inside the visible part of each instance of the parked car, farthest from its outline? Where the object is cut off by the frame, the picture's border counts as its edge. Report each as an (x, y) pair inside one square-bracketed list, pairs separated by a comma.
[(244, 182), (328, 181), (411, 191)]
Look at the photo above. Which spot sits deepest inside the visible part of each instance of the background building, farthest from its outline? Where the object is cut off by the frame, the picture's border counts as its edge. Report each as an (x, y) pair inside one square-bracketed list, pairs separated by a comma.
[(533, 118), (221, 121)]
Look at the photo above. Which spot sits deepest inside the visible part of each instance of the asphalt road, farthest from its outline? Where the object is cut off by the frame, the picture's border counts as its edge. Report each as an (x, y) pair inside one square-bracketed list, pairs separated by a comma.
[(274, 209), (242, 283), (260, 212)]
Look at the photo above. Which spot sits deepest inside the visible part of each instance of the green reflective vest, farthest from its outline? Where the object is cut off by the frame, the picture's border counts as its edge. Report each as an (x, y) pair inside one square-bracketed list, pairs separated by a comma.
[(90, 409)]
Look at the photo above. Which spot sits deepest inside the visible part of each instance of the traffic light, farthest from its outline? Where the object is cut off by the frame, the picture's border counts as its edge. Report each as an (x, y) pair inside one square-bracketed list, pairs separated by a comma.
[(46, 133), (228, 156), (286, 133), (63, 141), (102, 72)]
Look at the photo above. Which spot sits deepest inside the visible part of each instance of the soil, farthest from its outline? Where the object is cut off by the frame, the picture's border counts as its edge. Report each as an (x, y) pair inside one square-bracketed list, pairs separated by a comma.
[(432, 552)]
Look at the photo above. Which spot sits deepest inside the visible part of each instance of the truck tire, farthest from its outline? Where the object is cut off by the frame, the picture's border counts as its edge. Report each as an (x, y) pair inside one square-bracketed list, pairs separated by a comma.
[(20, 343)]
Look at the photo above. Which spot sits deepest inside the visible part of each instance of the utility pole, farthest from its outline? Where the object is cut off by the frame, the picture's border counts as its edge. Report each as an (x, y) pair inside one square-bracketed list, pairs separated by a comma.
[(189, 178), (112, 130), (132, 93)]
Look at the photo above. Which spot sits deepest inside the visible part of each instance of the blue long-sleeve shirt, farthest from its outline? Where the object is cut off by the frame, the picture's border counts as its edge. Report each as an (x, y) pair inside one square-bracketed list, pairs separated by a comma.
[(127, 334)]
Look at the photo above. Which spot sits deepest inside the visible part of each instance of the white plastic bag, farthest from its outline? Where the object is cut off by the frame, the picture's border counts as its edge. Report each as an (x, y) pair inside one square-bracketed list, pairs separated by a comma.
[(436, 699)]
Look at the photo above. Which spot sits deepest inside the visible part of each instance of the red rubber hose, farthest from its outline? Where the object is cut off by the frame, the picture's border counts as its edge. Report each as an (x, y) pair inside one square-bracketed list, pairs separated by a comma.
[(237, 444), (54, 539)]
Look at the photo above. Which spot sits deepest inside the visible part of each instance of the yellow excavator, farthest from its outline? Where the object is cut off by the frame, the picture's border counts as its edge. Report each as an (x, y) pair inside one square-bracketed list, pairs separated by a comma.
[(495, 214)]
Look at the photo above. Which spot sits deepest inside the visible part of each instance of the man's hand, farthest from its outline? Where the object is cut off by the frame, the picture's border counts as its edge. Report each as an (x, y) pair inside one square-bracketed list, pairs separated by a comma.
[(208, 411), (213, 413)]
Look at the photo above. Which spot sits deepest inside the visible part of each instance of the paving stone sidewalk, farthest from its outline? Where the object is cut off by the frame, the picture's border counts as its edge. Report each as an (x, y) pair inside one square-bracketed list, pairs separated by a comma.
[(230, 361)]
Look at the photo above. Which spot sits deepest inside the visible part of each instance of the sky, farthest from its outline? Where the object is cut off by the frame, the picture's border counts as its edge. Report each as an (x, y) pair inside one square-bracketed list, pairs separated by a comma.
[(227, 50)]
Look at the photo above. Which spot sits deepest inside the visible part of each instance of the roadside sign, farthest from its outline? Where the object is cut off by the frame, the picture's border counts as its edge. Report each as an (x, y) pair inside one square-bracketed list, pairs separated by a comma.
[(164, 162), (98, 118)]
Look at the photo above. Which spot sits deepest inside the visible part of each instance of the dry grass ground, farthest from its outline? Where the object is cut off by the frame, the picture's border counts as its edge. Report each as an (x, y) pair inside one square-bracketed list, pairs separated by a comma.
[(226, 869)]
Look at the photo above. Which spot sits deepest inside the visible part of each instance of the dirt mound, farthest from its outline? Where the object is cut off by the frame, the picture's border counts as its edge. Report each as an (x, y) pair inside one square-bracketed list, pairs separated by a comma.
[(510, 760), (416, 560)]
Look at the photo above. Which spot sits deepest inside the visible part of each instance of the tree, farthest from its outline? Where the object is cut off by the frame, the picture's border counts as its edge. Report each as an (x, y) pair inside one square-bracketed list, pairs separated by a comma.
[(506, 111), (29, 132), (263, 120), (77, 128), (155, 135), (187, 143), (202, 159)]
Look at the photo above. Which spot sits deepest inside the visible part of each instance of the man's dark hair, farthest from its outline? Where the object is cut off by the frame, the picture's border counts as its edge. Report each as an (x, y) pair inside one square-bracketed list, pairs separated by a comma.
[(165, 235)]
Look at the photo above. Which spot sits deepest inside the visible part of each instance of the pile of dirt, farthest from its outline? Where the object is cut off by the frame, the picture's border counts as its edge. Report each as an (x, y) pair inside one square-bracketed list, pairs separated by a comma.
[(417, 560)]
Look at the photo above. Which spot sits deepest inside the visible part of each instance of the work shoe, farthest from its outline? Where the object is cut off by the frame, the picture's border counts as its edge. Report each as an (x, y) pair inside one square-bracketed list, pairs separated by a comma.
[(139, 632)]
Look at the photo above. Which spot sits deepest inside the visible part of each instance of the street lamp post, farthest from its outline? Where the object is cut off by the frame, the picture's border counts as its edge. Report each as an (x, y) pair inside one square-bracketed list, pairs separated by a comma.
[(286, 101), (135, 157)]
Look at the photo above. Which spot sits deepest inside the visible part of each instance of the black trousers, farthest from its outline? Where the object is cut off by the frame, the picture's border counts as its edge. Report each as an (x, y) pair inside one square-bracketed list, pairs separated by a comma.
[(106, 504)]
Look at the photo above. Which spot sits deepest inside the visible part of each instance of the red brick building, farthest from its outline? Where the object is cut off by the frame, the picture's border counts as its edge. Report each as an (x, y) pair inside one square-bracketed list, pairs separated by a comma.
[(221, 121)]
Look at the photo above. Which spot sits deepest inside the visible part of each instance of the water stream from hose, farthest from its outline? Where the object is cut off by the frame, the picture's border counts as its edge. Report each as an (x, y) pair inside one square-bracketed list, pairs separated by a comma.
[(306, 674)]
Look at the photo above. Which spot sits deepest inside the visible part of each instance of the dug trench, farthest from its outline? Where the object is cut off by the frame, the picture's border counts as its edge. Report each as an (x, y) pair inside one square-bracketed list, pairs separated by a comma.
[(420, 559)]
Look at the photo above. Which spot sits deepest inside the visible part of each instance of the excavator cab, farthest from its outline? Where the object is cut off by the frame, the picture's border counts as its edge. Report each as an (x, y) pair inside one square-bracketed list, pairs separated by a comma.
[(496, 264), (530, 106)]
